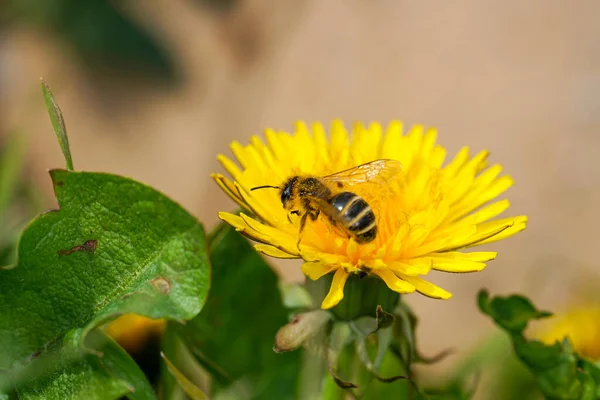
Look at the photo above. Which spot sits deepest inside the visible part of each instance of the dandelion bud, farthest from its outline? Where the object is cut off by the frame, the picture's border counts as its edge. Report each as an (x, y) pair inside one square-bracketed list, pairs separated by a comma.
[(301, 328)]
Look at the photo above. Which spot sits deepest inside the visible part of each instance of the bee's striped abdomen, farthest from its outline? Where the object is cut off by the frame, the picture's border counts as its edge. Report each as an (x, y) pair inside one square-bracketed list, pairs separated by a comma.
[(355, 215)]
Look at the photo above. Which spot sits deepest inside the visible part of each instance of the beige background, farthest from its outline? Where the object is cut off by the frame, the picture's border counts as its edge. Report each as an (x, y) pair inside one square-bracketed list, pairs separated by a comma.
[(519, 78)]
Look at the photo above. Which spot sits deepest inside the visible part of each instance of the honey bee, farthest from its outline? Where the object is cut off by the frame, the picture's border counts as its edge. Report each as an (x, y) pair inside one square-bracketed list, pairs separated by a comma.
[(309, 196)]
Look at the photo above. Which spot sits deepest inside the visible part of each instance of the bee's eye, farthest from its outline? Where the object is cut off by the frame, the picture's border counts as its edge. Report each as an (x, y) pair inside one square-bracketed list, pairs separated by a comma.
[(288, 189), (286, 194)]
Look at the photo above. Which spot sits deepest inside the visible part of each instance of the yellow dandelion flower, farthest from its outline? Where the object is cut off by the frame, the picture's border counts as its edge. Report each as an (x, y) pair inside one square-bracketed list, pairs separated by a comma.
[(580, 324), (425, 214)]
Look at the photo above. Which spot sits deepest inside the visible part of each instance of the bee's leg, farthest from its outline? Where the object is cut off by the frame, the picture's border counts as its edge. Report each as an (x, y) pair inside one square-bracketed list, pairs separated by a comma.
[(295, 212), (313, 214), (302, 223)]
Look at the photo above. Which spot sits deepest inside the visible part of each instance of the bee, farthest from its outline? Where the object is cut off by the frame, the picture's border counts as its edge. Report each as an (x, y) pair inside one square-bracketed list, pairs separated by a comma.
[(309, 196)]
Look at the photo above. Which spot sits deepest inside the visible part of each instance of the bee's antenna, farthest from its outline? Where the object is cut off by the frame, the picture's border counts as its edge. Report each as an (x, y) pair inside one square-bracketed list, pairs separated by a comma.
[(265, 187)]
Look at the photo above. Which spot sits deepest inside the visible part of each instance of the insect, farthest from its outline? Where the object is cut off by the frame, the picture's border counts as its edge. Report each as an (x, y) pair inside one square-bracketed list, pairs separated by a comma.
[(309, 196)]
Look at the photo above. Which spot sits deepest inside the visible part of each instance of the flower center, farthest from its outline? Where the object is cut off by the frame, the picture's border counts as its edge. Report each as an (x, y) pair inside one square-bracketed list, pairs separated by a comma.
[(407, 210)]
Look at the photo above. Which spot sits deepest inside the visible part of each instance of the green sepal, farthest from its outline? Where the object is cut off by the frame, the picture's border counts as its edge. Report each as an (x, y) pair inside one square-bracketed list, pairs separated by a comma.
[(363, 293)]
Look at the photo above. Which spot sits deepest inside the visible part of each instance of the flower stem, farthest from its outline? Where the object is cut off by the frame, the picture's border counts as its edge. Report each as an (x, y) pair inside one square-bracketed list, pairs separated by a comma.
[(312, 372)]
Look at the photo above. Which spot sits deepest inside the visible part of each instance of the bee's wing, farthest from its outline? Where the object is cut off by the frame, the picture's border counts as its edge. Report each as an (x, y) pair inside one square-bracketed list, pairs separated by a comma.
[(380, 171)]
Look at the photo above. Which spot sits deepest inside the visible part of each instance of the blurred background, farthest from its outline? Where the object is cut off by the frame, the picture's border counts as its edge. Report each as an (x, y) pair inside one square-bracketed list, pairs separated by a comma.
[(156, 89)]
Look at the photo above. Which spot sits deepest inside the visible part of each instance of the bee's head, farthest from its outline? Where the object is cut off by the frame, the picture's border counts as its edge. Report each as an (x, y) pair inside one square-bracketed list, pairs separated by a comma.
[(287, 192)]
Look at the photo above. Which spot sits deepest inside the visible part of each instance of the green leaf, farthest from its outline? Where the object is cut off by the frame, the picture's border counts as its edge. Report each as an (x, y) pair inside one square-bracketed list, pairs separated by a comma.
[(593, 370), (234, 334), (65, 373), (511, 313), (58, 124), (188, 387), (557, 368), (115, 246)]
